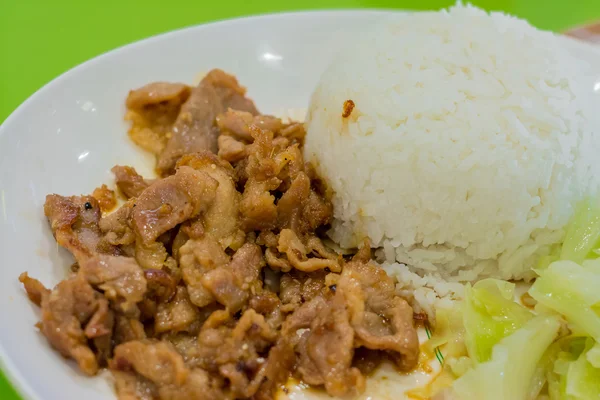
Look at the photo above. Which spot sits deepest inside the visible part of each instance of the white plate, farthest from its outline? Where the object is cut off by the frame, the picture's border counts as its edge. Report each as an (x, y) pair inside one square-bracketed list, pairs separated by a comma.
[(68, 135)]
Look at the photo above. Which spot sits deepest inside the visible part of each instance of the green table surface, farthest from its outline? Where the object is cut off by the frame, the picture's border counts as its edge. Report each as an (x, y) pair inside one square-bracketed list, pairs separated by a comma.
[(40, 39)]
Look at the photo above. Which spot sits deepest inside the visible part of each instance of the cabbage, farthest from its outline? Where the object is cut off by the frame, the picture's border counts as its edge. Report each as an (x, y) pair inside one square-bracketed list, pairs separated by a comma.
[(514, 363), (490, 314), (449, 333), (583, 232), (573, 376), (572, 290), (548, 259)]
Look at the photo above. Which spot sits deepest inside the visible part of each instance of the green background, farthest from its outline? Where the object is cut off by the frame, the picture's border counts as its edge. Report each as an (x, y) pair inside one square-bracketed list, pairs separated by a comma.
[(40, 39)]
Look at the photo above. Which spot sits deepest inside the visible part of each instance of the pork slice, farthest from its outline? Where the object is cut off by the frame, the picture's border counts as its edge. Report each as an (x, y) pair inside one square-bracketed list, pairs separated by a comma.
[(152, 110), (198, 385), (161, 285), (221, 220), (297, 254), (156, 361), (233, 349), (237, 123), (74, 222), (257, 206), (106, 198), (153, 370), (232, 284), (35, 289), (268, 305), (129, 182), (130, 386), (66, 311), (195, 130), (196, 258), (277, 261), (291, 204), (231, 149), (381, 319), (326, 348), (280, 364), (156, 93), (100, 330), (294, 131), (177, 315), (153, 255), (230, 91), (128, 329), (117, 226), (171, 201), (297, 288), (121, 279)]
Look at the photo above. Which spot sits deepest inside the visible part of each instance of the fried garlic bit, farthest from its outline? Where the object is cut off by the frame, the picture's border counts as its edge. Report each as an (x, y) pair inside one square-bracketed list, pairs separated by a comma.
[(347, 108)]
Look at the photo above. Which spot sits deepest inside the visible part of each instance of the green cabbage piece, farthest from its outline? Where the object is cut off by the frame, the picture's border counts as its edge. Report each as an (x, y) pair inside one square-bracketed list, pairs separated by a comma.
[(583, 233), (511, 371), (572, 290), (573, 376), (489, 315)]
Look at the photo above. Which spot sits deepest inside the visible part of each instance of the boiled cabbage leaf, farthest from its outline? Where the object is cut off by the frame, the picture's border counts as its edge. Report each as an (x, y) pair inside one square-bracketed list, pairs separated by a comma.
[(489, 315), (583, 232), (573, 377), (572, 290), (511, 370)]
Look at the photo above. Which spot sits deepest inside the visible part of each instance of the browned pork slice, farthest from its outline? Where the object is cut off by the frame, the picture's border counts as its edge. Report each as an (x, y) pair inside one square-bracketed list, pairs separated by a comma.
[(279, 366), (230, 149), (196, 258), (129, 182), (73, 313), (117, 227), (121, 279), (106, 198), (233, 349), (272, 164), (35, 289), (156, 93), (195, 129), (153, 109), (171, 201), (237, 123), (177, 315), (381, 319), (221, 220), (297, 254), (74, 222), (130, 386), (161, 285), (198, 385), (157, 361), (232, 284), (257, 206), (128, 329), (297, 288), (326, 346), (268, 305), (154, 370)]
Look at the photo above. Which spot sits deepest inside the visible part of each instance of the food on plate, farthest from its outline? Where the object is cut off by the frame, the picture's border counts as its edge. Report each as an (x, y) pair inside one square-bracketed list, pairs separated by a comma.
[(445, 157), (471, 141), (213, 282)]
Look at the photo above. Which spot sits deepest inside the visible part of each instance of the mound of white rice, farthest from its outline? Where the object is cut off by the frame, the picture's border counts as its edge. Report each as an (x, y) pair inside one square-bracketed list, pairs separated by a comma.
[(472, 139)]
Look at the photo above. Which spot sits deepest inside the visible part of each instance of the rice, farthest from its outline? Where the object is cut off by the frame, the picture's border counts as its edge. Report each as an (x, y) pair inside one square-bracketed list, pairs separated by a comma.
[(472, 140)]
